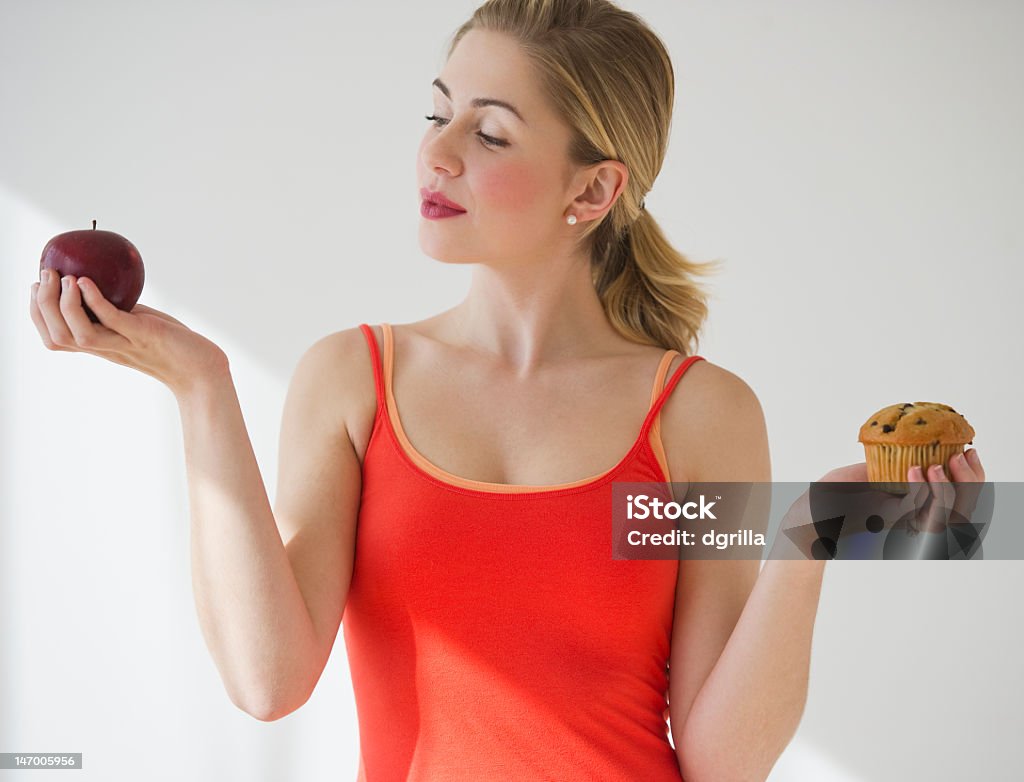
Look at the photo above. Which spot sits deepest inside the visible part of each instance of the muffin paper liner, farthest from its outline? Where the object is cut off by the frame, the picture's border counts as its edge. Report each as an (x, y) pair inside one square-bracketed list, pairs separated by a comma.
[(889, 464)]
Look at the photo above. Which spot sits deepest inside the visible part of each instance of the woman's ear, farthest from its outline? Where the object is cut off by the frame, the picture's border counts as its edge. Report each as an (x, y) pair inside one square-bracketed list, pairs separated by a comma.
[(599, 187)]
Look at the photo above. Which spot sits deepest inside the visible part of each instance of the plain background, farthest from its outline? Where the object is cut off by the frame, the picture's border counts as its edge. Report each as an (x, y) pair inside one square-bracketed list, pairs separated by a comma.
[(856, 164)]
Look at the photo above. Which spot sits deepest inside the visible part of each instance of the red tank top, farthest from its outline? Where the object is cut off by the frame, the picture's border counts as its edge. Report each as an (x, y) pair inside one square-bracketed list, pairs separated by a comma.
[(490, 633)]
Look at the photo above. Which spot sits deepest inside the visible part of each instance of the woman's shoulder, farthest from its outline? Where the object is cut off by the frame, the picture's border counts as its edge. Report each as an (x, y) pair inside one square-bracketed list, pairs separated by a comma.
[(342, 365), (712, 412), (705, 376), (709, 388), (345, 349)]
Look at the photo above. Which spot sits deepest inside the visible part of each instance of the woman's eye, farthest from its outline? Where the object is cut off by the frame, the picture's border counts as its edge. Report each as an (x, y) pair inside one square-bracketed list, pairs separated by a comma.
[(489, 140)]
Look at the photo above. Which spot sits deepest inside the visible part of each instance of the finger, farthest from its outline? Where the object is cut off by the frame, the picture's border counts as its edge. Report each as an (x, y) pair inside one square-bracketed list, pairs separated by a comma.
[(40, 323), (104, 335), (966, 500), (928, 512), (943, 495), (71, 309), (975, 461), (48, 299), (919, 491), (918, 499), (961, 469), (113, 318), (969, 483), (89, 335)]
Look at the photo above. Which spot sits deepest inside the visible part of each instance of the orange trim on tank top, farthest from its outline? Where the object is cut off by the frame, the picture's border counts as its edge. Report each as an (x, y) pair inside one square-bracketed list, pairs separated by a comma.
[(430, 468), (655, 433)]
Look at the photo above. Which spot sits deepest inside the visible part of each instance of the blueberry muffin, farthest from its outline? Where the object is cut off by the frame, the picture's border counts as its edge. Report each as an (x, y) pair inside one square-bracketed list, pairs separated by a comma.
[(923, 433)]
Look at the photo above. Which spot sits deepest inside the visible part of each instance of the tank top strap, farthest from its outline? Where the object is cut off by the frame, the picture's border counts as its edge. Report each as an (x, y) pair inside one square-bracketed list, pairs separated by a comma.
[(388, 361), (660, 400), (659, 376), (378, 378)]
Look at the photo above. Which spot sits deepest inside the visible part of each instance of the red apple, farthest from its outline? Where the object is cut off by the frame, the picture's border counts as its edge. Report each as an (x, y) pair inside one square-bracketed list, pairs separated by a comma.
[(108, 259)]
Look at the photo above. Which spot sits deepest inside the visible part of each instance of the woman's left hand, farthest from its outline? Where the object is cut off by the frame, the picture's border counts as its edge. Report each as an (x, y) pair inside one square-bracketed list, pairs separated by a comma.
[(948, 502), (931, 503)]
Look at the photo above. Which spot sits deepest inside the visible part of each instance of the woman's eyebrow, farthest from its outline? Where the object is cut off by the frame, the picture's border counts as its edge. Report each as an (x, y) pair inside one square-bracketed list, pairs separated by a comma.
[(480, 102)]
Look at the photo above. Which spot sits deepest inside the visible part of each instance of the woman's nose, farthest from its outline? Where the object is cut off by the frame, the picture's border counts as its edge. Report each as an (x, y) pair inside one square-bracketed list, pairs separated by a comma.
[(438, 153)]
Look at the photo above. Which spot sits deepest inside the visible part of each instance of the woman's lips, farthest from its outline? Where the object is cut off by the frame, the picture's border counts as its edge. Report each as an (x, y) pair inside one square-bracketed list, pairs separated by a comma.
[(433, 211), (435, 205)]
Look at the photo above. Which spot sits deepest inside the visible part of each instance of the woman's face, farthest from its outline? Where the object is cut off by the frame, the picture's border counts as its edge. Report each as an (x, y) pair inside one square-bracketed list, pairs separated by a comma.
[(510, 173)]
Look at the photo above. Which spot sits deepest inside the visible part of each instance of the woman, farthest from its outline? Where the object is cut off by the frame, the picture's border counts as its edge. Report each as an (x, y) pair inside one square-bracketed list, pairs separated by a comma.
[(491, 635)]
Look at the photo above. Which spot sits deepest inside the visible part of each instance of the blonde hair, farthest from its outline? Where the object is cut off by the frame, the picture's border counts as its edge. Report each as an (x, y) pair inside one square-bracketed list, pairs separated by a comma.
[(611, 79)]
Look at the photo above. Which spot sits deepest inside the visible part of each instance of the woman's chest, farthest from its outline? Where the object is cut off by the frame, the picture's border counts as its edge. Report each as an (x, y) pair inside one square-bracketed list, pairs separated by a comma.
[(491, 429)]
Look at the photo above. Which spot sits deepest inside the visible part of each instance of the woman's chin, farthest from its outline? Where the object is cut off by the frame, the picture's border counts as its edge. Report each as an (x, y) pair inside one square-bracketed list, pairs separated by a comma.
[(445, 252), (449, 258)]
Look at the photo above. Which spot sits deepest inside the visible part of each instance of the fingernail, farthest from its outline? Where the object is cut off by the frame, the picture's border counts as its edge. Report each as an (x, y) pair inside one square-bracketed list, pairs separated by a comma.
[(961, 460), (44, 275), (64, 282), (936, 469)]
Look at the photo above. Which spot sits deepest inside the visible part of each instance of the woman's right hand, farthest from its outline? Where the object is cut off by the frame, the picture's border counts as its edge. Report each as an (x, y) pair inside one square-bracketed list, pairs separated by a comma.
[(144, 339)]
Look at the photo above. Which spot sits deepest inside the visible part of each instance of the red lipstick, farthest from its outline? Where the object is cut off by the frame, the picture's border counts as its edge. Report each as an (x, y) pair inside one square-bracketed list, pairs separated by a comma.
[(435, 205)]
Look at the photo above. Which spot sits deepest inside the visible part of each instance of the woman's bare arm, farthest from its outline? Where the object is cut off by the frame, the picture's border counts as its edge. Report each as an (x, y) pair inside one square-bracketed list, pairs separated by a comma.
[(320, 483), (741, 638), (269, 612)]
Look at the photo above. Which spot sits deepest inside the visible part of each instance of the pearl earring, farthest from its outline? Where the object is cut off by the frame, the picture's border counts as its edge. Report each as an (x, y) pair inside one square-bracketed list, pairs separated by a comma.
[(571, 219)]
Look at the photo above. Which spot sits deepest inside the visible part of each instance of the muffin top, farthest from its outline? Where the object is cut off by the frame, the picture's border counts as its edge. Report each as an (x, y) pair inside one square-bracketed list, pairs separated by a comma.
[(920, 423)]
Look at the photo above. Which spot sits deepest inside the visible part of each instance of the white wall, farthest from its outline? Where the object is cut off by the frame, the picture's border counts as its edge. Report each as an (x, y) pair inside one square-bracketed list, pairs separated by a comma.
[(856, 164)]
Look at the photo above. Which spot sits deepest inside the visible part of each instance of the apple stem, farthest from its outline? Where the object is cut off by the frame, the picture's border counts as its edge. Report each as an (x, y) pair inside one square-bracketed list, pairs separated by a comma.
[(94, 225)]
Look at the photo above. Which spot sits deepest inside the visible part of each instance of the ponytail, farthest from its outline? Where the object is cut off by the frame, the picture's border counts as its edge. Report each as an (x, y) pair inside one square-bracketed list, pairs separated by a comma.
[(647, 287)]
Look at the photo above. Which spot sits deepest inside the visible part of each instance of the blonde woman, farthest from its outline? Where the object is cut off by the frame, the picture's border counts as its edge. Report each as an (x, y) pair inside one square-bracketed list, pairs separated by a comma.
[(444, 485)]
